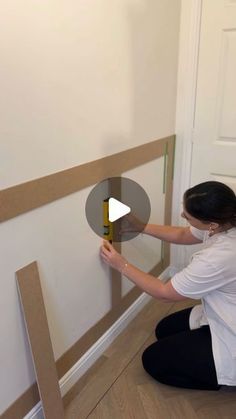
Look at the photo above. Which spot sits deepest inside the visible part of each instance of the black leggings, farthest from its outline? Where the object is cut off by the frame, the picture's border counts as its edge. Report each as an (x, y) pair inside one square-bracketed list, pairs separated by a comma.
[(181, 357)]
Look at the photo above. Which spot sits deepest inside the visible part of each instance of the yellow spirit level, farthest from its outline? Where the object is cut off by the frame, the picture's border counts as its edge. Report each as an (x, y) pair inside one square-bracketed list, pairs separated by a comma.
[(107, 225)]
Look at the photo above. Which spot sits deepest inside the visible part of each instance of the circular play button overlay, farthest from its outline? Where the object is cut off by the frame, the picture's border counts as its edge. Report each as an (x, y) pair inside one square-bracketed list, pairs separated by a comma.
[(117, 209)]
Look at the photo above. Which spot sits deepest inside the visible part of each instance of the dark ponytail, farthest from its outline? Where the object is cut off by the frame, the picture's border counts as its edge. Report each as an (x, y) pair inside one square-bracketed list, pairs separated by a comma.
[(211, 202)]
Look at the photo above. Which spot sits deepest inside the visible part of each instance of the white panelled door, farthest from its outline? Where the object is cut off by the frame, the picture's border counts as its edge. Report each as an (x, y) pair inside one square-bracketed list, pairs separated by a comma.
[(214, 135)]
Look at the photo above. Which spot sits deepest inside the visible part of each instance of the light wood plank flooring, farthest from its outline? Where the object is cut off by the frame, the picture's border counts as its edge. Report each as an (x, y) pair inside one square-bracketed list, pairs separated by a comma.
[(117, 387)]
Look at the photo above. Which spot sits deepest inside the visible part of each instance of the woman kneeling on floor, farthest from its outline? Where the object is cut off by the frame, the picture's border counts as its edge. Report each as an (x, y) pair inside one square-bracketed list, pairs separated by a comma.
[(196, 347)]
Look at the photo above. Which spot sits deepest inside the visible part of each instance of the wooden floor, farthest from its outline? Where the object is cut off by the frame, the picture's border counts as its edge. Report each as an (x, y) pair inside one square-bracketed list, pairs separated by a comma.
[(117, 387)]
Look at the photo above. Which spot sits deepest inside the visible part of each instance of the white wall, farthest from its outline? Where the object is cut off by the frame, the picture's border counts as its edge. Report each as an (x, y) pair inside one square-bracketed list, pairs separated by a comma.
[(79, 80)]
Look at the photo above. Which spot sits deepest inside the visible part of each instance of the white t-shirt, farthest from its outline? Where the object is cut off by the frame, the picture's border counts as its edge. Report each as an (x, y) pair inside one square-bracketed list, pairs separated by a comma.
[(211, 277)]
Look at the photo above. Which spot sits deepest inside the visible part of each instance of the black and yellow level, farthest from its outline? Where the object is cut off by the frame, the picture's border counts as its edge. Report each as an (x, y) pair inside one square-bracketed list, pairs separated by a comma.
[(107, 225)]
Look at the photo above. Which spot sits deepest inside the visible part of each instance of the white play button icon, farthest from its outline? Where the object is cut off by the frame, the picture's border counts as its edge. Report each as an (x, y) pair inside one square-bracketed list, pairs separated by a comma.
[(110, 201), (117, 209)]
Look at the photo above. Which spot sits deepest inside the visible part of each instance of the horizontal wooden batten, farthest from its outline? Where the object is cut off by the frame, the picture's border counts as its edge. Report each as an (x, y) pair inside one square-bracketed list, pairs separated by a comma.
[(27, 196), (23, 404)]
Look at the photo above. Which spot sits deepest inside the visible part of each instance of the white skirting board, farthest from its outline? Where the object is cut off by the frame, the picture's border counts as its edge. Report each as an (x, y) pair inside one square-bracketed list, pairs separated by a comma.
[(89, 358)]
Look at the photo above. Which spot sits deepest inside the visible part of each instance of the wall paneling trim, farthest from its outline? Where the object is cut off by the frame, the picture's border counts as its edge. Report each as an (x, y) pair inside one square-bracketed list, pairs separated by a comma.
[(27, 196)]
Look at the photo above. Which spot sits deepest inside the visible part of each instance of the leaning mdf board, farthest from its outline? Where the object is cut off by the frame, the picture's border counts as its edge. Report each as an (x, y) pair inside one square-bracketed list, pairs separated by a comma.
[(31, 297)]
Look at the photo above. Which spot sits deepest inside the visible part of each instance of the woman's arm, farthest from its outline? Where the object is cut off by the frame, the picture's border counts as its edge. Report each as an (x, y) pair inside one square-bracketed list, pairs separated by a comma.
[(152, 285), (171, 234), (148, 283)]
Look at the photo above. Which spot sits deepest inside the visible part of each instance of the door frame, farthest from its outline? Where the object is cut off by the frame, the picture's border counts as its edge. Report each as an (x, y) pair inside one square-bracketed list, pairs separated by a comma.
[(190, 29)]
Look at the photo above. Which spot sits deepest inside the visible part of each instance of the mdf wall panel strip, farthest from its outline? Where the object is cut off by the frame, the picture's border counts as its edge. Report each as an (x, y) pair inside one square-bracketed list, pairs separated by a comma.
[(168, 194), (27, 196), (23, 405), (116, 289), (41, 347), (116, 277)]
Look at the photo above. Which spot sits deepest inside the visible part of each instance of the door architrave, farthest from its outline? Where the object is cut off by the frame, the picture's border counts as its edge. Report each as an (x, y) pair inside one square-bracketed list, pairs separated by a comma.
[(190, 29)]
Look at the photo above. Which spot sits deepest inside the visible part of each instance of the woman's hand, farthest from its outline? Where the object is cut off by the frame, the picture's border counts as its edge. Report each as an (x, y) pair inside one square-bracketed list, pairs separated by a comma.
[(111, 257)]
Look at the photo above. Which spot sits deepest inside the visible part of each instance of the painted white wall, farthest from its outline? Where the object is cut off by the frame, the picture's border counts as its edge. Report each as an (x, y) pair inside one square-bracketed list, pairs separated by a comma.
[(83, 79), (79, 80)]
